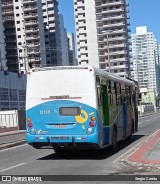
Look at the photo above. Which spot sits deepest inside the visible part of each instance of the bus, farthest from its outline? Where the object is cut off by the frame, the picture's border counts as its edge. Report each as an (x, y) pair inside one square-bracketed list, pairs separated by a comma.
[(79, 107)]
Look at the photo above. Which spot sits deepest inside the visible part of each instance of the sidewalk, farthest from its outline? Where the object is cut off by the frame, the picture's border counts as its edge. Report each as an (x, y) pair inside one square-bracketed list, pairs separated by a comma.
[(148, 153), (12, 133), (12, 138)]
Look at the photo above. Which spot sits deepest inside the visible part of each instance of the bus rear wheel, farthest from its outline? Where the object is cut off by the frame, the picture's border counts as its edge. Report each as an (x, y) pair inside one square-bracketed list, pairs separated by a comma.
[(114, 140)]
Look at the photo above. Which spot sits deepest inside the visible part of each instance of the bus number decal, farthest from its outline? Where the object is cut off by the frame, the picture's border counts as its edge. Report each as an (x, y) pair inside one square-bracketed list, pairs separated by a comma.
[(45, 112)]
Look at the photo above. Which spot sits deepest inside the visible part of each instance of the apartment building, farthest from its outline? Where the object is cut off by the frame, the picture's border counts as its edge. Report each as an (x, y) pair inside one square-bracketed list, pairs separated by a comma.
[(71, 49), (145, 59), (24, 34), (102, 34), (52, 32)]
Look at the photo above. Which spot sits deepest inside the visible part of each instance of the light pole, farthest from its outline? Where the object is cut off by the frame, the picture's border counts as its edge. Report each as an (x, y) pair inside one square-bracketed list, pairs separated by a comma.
[(107, 33)]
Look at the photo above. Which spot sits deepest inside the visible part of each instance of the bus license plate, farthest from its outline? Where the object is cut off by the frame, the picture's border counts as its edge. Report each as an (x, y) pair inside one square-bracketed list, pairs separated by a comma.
[(60, 126)]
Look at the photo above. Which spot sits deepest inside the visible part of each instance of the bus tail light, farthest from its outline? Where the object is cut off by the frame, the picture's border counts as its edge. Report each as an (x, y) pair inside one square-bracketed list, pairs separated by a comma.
[(28, 120), (91, 124), (93, 118), (30, 125)]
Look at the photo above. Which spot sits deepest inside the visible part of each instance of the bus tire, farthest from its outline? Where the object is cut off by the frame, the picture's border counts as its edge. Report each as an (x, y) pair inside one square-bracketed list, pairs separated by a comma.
[(114, 139)]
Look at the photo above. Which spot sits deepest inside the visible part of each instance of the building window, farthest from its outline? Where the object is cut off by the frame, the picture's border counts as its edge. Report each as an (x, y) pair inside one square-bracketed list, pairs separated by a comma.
[(18, 22)]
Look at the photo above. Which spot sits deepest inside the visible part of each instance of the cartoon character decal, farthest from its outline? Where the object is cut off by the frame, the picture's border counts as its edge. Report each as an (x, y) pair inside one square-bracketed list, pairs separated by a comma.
[(82, 118)]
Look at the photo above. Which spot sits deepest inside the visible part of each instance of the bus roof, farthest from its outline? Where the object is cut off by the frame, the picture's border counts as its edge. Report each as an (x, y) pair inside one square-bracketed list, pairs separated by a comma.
[(97, 71)]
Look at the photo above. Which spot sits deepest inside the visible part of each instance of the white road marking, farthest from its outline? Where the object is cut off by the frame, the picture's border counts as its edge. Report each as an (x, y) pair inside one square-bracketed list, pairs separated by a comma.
[(12, 167), (12, 148)]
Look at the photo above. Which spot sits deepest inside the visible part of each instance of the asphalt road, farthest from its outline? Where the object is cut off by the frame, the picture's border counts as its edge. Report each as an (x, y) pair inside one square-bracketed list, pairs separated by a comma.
[(25, 160)]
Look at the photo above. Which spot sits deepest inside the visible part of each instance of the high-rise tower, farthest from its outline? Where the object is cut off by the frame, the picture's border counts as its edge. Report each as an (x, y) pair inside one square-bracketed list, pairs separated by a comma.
[(102, 34)]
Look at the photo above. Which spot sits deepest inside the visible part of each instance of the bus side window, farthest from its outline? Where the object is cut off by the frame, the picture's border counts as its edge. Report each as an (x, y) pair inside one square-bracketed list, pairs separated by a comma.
[(118, 93), (112, 92), (99, 95), (128, 95), (123, 94)]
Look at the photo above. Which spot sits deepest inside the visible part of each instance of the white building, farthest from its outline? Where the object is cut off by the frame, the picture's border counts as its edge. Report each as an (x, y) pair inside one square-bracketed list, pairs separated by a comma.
[(71, 49), (102, 34), (64, 42), (145, 58)]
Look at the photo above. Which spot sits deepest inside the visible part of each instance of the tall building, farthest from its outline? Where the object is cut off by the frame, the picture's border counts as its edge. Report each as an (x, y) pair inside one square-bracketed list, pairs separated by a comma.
[(71, 49), (24, 34), (64, 42), (145, 59), (52, 32), (102, 34)]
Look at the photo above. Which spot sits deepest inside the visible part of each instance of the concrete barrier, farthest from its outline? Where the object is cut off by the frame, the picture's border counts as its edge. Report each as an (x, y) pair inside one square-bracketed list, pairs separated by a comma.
[(12, 120)]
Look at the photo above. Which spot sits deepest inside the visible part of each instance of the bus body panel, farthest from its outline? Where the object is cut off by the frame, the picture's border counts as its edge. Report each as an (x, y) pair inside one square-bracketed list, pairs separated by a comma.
[(61, 102)]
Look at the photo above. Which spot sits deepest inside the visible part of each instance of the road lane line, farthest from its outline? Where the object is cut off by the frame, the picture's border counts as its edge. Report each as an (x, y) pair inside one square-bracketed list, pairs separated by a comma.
[(12, 167), (12, 148)]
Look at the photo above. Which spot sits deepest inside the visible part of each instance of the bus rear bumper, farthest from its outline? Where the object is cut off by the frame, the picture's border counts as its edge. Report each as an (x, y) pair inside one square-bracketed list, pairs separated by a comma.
[(72, 141)]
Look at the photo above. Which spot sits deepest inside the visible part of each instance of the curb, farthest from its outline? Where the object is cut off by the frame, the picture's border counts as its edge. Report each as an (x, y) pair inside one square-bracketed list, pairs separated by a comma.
[(12, 144), (147, 115), (9, 133)]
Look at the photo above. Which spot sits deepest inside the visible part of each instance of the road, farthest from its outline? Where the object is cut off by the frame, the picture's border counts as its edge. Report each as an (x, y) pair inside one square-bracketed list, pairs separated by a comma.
[(25, 160)]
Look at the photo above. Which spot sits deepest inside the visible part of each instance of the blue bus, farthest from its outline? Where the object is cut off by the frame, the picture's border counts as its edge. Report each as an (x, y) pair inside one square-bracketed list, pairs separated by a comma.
[(79, 107)]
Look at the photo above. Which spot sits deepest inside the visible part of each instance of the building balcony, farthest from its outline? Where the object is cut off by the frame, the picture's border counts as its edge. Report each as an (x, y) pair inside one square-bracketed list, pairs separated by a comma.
[(101, 5), (29, 8), (31, 22), (34, 59), (30, 15), (33, 44), (107, 11), (8, 18), (119, 67), (7, 4), (31, 30), (110, 18), (29, 2), (111, 25), (8, 12), (33, 50), (32, 37)]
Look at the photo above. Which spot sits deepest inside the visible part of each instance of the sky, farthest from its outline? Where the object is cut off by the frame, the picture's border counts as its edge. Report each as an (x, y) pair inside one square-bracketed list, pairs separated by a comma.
[(142, 13)]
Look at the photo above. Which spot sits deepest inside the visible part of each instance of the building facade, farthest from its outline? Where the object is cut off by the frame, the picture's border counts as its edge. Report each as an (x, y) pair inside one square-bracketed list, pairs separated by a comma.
[(64, 42), (71, 49), (145, 59), (24, 34), (31, 31), (102, 34), (52, 32), (12, 91)]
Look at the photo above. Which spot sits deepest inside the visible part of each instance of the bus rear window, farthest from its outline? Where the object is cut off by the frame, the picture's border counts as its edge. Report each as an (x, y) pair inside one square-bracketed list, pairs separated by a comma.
[(69, 111)]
